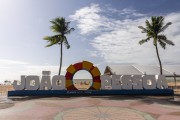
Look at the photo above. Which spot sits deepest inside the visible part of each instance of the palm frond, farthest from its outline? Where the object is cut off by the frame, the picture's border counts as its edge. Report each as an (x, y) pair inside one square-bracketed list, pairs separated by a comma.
[(66, 43), (52, 37), (159, 23), (47, 38), (153, 20), (52, 42), (169, 42), (58, 25), (164, 39), (162, 44), (148, 25), (144, 30), (144, 40), (61, 27), (56, 29), (56, 39), (69, 31), (54, 22), (165, 27), (67, 24)]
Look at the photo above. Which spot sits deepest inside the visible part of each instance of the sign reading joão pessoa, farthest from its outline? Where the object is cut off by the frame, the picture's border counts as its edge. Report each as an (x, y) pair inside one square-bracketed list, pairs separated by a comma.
[(100, 83)]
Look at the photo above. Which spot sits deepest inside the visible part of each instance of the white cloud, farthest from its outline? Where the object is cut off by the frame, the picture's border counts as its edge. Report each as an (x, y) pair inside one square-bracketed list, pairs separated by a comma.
[(6, 61), (117, 38), (94, 53), (37, 69), (127, 12), (171, 54), (12, 69), (88, 18)]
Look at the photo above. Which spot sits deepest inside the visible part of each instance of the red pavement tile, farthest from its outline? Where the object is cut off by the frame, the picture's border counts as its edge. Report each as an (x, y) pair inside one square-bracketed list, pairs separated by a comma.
[(169, 117), (154, 109)]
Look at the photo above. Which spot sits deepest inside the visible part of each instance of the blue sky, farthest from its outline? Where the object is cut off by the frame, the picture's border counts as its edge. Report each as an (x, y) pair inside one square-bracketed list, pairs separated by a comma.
[(106, 33)]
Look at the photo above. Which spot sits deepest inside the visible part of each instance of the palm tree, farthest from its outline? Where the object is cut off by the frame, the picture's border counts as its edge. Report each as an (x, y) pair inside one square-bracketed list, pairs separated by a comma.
[(154, 30), (61, 27)]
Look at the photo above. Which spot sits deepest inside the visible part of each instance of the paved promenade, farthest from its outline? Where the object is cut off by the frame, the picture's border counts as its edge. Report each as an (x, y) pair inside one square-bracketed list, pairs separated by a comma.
[(90, 108)]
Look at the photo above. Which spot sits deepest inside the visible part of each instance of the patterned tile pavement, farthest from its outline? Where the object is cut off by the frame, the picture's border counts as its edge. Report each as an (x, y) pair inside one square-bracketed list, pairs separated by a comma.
[(102, 113), (91, 108)]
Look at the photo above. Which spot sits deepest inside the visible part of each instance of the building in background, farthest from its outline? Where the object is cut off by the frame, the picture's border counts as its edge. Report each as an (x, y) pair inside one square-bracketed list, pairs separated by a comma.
[(172, 72)]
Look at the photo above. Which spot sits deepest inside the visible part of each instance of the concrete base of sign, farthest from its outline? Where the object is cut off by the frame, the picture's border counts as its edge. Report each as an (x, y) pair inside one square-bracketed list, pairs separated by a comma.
[(89, 92)]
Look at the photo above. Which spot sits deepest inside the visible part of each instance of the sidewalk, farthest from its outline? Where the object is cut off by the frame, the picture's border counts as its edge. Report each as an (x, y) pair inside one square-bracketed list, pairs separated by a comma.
[(93, 108)]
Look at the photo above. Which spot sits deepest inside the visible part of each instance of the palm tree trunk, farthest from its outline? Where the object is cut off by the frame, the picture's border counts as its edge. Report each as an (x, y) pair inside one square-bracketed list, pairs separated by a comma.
[(159, 60), (60, 59)]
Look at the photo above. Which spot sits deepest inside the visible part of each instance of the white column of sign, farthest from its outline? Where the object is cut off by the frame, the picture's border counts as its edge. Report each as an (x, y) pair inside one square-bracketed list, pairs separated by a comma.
[(105, 81), (45, 81), (126, 82), (161, 82), (22, 85), (36, 82), (149, 78), (137, 82), (116, 82), (55, 80)]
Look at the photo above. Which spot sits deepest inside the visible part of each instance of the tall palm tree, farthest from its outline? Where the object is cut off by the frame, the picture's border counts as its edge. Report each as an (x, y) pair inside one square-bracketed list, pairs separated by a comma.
[(61, 27), (154, 30)]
